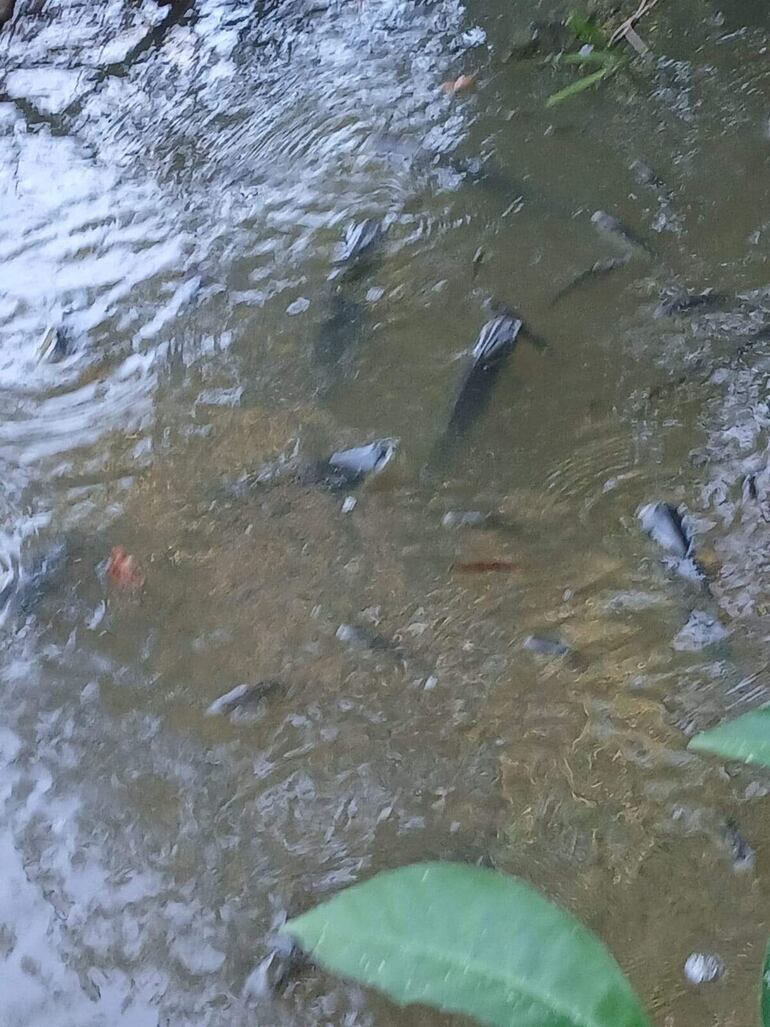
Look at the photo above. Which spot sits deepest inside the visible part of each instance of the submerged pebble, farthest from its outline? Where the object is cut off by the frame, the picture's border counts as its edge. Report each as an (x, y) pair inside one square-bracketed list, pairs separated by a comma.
[(701, 630), (703, 968), (545, 646)]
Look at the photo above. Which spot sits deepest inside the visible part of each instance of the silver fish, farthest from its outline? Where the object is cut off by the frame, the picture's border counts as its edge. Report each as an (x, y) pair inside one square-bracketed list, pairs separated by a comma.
[(360, 238), (369, 459), (664, 524)]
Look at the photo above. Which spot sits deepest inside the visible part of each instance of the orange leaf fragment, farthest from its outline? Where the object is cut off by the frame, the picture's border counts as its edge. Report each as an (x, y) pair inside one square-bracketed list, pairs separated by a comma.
[(123, 571), (459, 84)]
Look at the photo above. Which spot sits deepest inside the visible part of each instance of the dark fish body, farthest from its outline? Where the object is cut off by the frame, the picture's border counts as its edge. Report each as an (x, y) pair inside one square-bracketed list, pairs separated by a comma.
[(340, 330), (496, 342), (664, 524), (645, 175), (599, 269), (683, 301), (361, 238), (54, 345), (743, 855), (347, 468), (611, 226), (28, 586)]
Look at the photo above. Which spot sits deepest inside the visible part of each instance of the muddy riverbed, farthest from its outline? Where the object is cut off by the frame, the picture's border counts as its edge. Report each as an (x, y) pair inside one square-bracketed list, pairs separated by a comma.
[(175, 183)]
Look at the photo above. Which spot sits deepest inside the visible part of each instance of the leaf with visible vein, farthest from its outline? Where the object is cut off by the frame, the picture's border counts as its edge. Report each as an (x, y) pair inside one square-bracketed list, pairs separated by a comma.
[(473, 941), (746, 738)]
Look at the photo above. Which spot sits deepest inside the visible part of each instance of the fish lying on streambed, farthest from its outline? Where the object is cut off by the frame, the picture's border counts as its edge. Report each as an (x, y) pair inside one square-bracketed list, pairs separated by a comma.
[(666, 525), (344, 325), (609, 225), (495, 343), (344, 469), (361, 241)]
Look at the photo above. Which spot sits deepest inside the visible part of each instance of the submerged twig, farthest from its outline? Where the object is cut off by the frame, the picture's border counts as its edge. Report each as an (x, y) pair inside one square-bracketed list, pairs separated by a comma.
[(626, 29)]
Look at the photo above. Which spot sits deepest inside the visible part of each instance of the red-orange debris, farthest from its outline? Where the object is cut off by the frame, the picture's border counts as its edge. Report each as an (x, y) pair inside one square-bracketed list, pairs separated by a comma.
[(459, 84), (485, 566), (123, 571)]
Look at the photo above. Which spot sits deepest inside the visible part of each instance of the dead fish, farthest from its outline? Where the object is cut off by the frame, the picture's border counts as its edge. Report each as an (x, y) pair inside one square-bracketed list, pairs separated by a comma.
[(545, 646), (742, 853), (243, 699), (341, 330), (54, 345), (369, 459), (363, 641), (361, 638), (496, 342), (664, 523), (347, 468), (361, 238), (610, 225), (598, 269), (645, 175), (683, 301), (344, 469), (30, 582)]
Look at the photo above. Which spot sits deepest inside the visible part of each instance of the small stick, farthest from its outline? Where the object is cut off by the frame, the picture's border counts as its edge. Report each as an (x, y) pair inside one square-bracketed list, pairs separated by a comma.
[(624, 30)]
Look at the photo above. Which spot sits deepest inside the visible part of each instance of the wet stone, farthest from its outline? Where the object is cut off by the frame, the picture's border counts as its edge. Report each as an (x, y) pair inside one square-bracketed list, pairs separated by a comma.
[(701, 630), (545, 646), (703, 968)]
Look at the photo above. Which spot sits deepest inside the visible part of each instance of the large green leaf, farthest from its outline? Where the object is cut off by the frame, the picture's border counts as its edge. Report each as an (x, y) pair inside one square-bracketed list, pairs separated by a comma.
[(472, 941), (764, 994), (578, 86), (587, 31), (746, 738)]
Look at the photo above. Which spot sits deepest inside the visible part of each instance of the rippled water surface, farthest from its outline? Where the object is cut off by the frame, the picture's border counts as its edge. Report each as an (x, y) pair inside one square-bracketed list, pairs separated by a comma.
[(175, 183)]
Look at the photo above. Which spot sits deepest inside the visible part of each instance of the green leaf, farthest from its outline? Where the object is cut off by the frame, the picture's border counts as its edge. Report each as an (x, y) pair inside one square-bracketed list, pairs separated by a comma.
[(578, 86), (764, 994), (472, 941), (587, 31), (746, 738), (601, 57)]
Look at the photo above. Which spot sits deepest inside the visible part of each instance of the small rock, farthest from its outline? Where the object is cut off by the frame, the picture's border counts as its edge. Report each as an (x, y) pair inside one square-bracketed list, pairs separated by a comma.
[(349, 504), (299, 306), (545, 646), (703, 968)]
